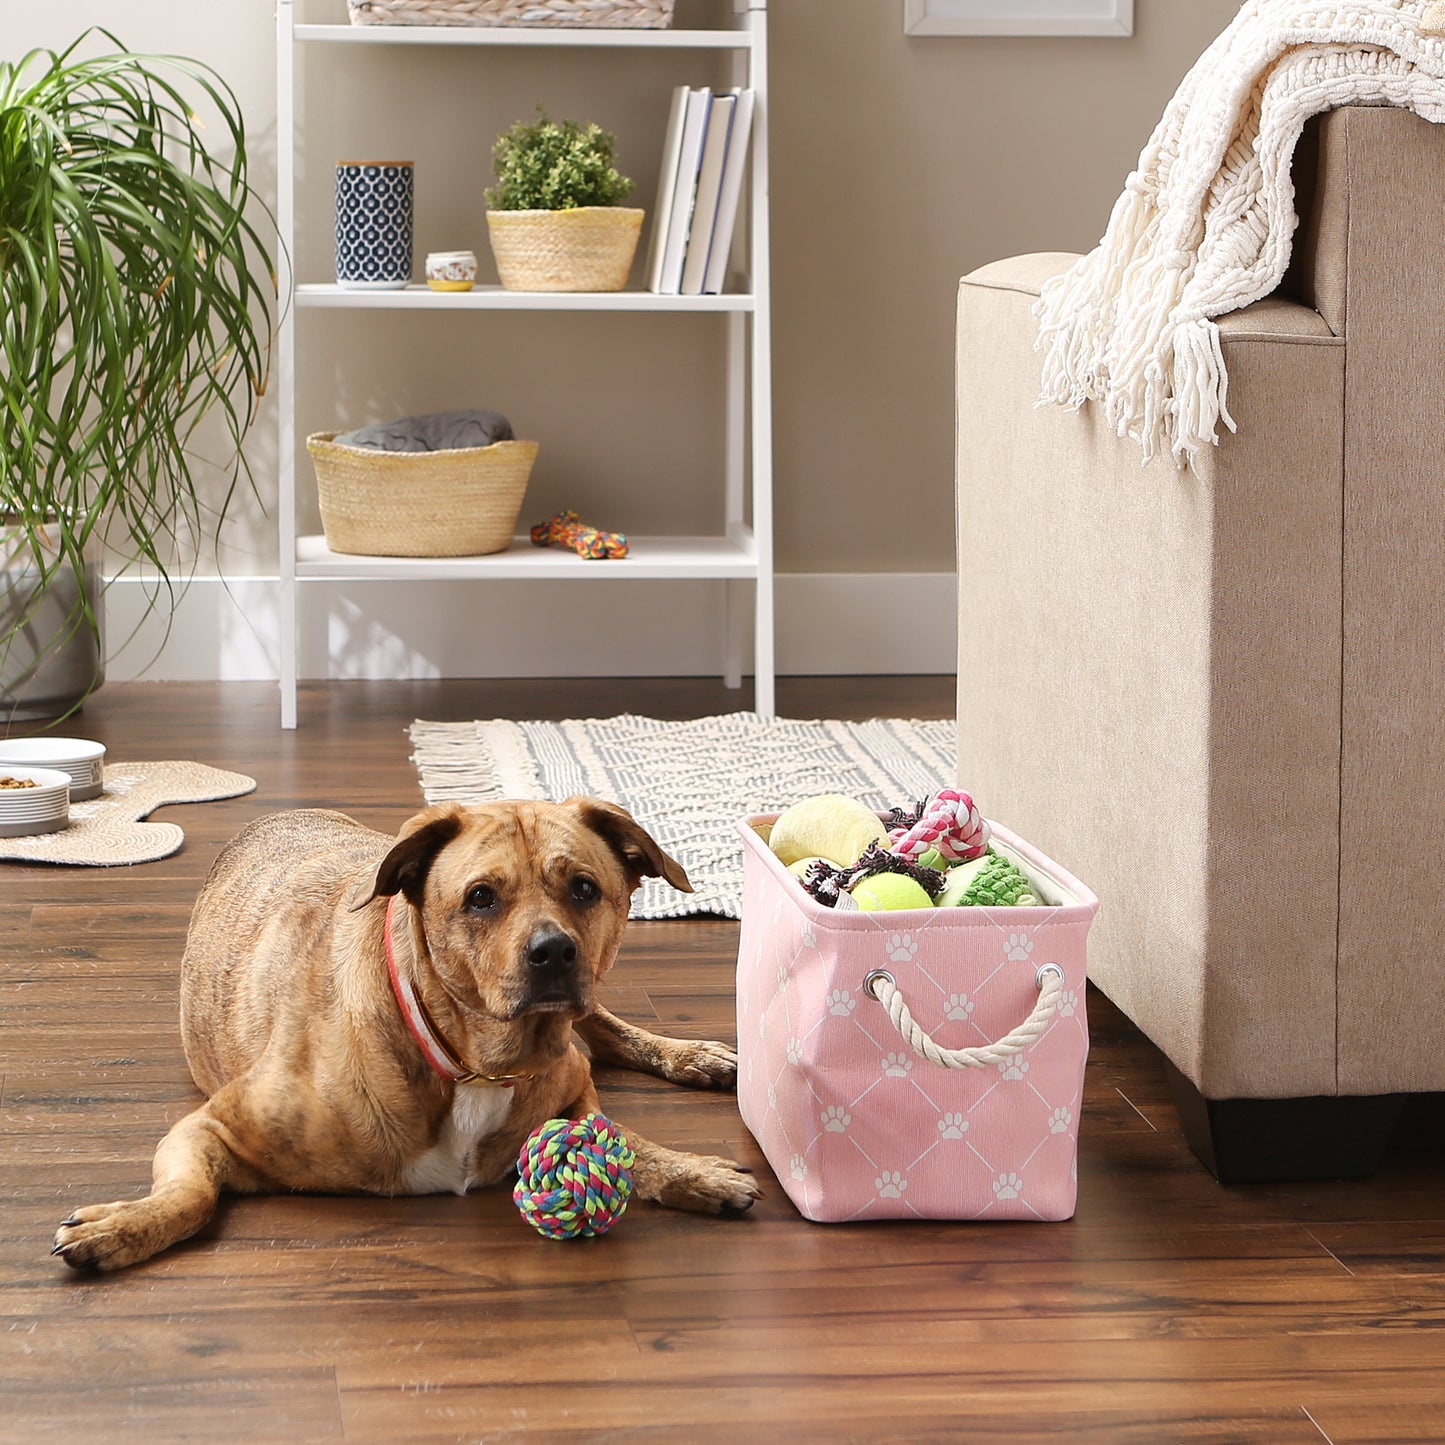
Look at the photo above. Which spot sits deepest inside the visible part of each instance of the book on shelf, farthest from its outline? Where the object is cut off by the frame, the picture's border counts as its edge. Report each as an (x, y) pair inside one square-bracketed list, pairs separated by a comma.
[(704, 155), (729, 190), (666, 184), (709, 187), (671, 222)]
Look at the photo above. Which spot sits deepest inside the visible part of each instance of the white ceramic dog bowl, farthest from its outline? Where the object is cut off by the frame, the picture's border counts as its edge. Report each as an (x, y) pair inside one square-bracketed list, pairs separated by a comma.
[(44, 808), (82, 759)]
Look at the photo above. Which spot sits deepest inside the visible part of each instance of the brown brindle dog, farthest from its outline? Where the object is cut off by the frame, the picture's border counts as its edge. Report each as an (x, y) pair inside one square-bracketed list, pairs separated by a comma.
[(394, 1016)]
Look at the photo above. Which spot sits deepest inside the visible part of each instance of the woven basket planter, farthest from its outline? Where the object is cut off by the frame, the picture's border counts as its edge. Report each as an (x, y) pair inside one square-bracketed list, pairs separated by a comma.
[(623, 14), (461, 503), (588, 248)]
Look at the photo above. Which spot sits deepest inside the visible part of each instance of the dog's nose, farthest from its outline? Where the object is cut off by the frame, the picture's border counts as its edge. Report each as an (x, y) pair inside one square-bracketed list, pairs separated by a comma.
[(551, 965), (551, 948)]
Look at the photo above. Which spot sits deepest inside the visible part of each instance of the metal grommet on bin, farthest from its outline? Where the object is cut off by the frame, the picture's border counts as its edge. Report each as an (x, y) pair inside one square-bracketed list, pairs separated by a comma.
[(877, 976)]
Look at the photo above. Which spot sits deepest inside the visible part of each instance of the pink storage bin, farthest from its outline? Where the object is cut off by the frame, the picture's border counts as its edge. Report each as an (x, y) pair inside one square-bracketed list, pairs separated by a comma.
[(926, 1063)]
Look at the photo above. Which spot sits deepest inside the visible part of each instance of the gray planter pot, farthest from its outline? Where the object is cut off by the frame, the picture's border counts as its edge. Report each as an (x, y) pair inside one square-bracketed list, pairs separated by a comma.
[(54, 661)]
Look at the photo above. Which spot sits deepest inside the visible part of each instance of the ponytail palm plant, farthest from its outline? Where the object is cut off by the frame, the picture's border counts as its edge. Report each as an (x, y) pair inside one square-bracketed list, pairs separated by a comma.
[(136, 300)]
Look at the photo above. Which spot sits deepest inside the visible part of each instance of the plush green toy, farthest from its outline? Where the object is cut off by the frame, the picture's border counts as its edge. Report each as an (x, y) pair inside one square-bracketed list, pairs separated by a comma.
[(987, 882)]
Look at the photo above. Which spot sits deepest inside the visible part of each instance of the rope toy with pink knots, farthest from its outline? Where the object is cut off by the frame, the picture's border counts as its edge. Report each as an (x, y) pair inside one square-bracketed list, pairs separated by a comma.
[(948, 823)]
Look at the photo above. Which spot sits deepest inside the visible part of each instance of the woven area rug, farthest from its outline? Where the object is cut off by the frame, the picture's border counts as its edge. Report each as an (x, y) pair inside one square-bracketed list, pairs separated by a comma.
[(108, 831), (687, 783)]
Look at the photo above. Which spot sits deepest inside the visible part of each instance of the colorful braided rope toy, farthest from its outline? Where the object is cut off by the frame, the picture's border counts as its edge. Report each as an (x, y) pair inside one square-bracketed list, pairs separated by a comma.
[(567, 529), (950, 823), (574, 1176)]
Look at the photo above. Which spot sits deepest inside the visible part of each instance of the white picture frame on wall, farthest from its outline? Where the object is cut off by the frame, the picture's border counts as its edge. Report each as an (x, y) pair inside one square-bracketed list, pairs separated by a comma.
[(1018, 17)]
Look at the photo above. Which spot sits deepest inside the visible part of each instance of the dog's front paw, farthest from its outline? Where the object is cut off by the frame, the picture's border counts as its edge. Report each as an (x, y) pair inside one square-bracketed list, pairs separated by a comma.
[(716, 1186), (702, 1183), (703, 1064), (108, 1236)]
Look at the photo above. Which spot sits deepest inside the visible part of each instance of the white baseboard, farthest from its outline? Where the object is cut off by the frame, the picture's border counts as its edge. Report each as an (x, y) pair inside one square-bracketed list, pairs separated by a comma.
[(827, 624)]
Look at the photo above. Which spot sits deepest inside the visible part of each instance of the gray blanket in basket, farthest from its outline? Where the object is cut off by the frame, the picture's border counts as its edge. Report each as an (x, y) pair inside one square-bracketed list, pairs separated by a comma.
[(442, 431)]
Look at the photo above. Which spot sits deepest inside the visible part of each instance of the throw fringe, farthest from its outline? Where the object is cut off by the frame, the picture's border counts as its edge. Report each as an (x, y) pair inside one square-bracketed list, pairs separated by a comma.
[(1205, 222)]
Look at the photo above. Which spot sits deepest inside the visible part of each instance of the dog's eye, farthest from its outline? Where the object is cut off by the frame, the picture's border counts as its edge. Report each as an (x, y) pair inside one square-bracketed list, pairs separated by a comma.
[(481, 899), (585, 890)]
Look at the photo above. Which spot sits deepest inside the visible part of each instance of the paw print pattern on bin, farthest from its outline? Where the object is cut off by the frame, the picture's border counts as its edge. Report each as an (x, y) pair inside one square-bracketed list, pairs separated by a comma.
[(1008, 1186), (891, 1184), (960, 1006), (902, 948)]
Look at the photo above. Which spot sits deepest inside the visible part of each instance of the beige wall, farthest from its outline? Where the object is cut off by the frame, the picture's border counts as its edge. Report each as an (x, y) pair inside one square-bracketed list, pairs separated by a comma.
[(897, 164)]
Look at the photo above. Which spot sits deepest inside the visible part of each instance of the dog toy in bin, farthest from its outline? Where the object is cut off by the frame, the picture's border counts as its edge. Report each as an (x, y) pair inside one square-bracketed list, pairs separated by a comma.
[(574, 1177), (567, 529), (948, 824), (988, 882), (830, 825)]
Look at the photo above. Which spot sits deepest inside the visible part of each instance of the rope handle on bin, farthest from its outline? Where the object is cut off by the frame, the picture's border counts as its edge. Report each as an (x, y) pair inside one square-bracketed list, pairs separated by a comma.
[(881, 985)]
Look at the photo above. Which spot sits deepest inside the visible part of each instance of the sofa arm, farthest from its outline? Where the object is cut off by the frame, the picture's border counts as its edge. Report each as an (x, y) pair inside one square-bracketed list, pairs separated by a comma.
[(1276, 317), (1149, 674)]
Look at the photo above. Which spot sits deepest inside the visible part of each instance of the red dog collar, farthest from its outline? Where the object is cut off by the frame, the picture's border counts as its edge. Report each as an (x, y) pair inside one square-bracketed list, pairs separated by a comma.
[(433, 1044)]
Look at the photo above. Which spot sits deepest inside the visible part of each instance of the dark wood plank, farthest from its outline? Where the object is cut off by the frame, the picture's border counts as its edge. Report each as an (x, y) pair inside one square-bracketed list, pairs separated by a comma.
[(1169, 1309)]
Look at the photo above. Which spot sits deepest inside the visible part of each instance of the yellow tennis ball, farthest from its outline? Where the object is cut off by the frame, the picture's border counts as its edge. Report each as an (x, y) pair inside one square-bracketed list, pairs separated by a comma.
[(881, 891), (830, 826)]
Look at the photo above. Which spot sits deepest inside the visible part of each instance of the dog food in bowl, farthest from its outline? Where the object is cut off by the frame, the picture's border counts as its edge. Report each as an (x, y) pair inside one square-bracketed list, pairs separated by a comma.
[(81, 758), (33, 800)]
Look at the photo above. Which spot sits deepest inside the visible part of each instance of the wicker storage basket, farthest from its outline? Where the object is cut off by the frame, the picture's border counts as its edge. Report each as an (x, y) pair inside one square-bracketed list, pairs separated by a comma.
[(623, 14), (420, 504), (588, 248)]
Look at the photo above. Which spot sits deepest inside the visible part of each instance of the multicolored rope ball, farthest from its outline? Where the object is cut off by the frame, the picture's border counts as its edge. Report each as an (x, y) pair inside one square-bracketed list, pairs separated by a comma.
[(574, 1176), (950, 824)]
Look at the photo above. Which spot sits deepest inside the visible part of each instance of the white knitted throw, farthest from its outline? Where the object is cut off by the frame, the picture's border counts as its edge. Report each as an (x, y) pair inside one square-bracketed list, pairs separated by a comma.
[(1205, 222)]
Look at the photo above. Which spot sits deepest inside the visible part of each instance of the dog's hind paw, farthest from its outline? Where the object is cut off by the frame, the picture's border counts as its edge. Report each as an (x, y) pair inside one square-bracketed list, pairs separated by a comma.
[(109, 1236)]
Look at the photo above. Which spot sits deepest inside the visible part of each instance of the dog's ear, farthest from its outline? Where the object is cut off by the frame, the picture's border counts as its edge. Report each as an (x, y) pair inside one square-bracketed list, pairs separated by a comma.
[(631, 842), (405, 867)]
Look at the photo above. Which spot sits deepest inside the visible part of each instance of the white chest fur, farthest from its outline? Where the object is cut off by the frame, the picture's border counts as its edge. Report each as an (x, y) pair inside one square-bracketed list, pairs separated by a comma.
[(477, 1110)]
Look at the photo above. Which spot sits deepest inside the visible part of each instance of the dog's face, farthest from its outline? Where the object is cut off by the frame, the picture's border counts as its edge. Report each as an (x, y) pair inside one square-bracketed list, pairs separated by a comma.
[(523, 904)]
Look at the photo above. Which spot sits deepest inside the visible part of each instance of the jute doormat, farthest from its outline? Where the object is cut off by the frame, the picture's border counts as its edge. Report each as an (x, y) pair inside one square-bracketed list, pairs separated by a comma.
[(687, 783), (107, 831)]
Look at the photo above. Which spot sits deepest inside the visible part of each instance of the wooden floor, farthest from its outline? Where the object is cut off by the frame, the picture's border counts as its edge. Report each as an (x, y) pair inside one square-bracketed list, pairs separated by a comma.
[(1169, 1309)]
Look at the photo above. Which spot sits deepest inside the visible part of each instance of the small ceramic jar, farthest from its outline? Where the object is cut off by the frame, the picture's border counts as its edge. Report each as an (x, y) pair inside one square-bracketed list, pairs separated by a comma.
[(451, 270)]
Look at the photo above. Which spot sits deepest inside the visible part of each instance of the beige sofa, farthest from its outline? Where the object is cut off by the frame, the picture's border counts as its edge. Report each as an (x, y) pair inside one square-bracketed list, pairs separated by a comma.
[(1219, 697)]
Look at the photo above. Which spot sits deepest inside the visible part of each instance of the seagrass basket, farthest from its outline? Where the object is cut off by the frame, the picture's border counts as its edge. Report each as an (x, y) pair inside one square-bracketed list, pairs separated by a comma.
[(622, 14), (460, 503), (587, 248)]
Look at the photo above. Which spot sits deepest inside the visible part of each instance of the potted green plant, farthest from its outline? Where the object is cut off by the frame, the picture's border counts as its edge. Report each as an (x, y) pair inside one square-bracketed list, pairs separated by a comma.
[(137, 301), (553, 216)]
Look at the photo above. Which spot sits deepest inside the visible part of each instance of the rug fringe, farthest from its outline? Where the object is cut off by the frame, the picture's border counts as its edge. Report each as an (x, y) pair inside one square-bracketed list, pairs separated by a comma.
[(453, 767)]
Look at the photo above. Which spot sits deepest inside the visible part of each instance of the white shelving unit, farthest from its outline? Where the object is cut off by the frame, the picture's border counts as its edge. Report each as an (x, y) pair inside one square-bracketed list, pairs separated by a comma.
[(741, 558)]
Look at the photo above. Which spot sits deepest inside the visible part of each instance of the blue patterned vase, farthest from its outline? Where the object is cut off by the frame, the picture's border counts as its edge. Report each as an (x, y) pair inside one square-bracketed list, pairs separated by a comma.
[(373, 224)]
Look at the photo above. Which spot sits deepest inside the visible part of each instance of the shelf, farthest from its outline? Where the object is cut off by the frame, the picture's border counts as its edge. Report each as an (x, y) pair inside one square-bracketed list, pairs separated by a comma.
[(650, 558), (523, 35), (493, 298), (738, 550)]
